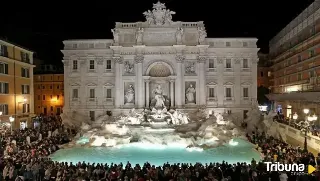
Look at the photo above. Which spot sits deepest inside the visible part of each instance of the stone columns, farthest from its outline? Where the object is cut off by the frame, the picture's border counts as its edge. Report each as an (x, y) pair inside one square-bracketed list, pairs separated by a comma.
[(147, 93), (172, 92), (139, 81), (237, 89), (83, 87), (202, 80), (254, 69), (220, 82), (118, 84), (179, 93), (67, 87)]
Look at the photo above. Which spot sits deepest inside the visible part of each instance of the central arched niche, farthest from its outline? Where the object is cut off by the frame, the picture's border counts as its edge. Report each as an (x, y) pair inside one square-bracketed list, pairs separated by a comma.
[(159, 69)]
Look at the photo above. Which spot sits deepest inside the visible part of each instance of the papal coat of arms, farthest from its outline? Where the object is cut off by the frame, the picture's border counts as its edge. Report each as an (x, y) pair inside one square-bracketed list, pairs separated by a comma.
[(159, 15)]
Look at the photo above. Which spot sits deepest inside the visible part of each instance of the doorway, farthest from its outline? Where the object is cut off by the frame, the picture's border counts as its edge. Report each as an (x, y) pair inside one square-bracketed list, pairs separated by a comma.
[(58, 110), (45, 111), (289, 111), (245, 116), (23, 124)]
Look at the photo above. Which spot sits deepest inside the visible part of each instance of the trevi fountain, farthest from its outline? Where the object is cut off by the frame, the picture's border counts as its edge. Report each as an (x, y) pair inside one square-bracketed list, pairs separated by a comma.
[(160, 135)]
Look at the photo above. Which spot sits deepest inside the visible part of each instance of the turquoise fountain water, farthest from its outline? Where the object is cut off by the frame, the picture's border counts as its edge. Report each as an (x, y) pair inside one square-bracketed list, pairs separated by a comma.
[(139, 153)]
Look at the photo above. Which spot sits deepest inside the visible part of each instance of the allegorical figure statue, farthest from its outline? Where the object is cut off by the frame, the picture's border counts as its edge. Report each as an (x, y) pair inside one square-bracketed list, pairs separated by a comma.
[(129, 96), (115, 35), (202, 35), (159, 15), (139, 35), (190, 94), (179, 34), (159, 97)]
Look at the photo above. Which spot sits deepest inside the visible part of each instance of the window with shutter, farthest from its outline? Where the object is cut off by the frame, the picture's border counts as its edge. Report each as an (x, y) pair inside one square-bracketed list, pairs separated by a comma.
[(4, 108)]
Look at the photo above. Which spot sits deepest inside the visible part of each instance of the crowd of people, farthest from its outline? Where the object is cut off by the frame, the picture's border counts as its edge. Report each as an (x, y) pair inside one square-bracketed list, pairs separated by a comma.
[(314, 129), (25, 157)]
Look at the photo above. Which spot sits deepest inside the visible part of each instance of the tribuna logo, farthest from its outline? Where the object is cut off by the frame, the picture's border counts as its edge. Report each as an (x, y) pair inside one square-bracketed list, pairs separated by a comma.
[(285, 167)]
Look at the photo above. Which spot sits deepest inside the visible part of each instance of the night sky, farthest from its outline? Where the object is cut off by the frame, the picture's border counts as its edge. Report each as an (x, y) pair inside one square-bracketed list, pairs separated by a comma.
[(42, 26)]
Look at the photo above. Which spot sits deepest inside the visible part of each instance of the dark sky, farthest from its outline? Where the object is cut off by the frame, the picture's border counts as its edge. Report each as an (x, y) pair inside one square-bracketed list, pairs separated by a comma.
[(42, 26)]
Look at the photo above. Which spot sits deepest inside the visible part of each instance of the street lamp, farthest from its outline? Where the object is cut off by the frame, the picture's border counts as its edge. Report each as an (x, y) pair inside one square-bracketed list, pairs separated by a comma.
[(315, 117), (294, 117), (305, 126), (11, 119)]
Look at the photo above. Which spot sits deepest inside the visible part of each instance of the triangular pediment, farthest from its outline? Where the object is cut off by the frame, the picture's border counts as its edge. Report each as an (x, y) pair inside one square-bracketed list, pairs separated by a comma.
[(212, 83), (228, 83), (245, 83), (108, 84), (75, 84), (91, 84)]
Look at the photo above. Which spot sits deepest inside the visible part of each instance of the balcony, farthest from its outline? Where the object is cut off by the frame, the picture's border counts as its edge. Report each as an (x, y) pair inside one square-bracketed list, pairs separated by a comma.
[(91, 99), (108, 101), (75, 99), (228, 100), (312, 94)]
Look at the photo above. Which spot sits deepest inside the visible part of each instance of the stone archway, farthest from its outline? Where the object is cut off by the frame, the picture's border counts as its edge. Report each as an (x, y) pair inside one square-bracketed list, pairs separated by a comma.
[(159, 69), (159, 74)]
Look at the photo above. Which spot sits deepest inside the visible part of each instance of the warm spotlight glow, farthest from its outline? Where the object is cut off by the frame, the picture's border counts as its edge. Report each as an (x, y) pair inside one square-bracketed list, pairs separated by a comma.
[(263, 108), (292, 89), (315, 117), (310, 118), (11, 119), (24, 99), (306, 111), (233, 143), (295, 116)]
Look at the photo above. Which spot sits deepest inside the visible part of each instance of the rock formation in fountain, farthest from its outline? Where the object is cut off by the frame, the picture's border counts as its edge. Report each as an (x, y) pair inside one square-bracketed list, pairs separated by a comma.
[(75, 119), (236, 118), (157, 127), (254, 119), (272, 127)]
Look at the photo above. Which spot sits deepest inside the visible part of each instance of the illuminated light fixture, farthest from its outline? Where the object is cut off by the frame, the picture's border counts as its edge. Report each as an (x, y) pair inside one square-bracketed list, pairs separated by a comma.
[(314, 117)]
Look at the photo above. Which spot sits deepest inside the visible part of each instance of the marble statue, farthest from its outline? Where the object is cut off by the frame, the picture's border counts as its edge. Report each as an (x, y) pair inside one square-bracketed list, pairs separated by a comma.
[(158, 92), (115, 35), (168, 16), (190, 94), (159, 15), (190, 67), (179, 34), (128, 68), (139, 35), (202, 35), (129, 96), (149, 17)]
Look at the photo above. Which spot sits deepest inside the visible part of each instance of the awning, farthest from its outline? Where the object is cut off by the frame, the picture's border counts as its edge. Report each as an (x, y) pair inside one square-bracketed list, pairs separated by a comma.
[(296, 96)]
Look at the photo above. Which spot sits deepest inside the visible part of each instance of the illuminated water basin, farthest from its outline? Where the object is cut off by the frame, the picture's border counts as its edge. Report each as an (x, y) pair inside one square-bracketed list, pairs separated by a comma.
[(139, 153)]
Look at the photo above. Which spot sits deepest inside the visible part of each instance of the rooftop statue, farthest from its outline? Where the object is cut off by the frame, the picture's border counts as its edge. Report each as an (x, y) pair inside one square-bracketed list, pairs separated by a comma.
[(159, 15)]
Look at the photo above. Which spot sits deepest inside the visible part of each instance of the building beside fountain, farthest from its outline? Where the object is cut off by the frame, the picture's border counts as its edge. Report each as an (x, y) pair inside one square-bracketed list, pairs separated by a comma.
[(159, 63)]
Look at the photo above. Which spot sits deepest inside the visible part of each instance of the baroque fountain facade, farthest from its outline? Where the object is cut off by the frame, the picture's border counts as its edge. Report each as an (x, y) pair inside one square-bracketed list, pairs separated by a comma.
[(165, 83)]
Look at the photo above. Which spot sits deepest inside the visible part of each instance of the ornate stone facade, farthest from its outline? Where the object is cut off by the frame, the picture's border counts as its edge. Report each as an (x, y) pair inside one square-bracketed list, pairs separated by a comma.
[(160, 63)]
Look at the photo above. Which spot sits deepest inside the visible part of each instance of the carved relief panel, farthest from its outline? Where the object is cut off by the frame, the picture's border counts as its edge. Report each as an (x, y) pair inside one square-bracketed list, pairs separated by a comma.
[(128, 67), (190, 68)]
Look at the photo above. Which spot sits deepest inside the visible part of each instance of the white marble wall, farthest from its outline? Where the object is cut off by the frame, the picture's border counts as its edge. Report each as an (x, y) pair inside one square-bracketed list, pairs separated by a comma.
[(172, 61)]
